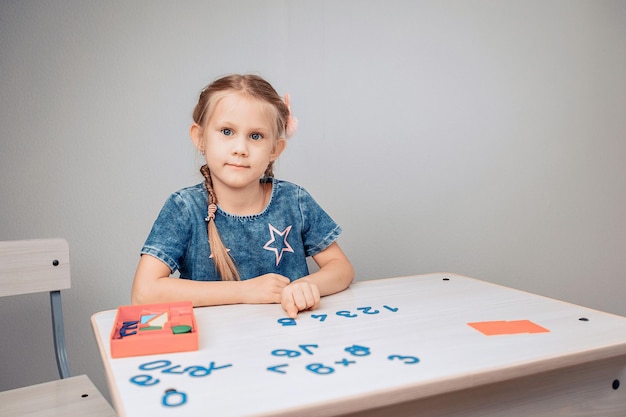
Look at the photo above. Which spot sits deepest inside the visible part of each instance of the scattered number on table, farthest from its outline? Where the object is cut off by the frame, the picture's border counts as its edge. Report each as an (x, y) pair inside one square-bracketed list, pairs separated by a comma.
[(173, 398), (321, 317), (144, 380)]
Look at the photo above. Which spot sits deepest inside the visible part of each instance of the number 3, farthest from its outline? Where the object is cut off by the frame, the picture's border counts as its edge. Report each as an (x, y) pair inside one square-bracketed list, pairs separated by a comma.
[(408, 360)]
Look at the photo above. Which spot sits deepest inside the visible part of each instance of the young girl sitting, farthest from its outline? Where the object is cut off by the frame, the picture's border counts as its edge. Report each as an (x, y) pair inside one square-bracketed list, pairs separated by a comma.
[(242, 236)]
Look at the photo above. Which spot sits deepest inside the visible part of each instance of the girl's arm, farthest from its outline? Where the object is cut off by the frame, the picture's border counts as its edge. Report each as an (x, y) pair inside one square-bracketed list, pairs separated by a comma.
[(335, 274), (153, 284)]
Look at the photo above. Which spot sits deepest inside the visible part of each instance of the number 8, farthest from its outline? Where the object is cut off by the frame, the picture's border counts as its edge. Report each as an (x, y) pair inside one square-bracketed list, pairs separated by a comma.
[(144, 380)]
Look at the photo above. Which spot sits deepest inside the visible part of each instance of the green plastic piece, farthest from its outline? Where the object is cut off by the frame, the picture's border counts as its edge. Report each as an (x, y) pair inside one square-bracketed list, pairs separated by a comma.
[(183, 328)]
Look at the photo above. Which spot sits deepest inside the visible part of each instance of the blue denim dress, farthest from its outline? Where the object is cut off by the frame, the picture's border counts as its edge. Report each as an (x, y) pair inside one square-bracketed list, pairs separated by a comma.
[(278, 240)]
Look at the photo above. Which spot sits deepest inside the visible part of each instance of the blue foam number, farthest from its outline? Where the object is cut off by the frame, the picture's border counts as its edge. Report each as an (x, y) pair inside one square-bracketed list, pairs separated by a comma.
[(126, 326), (306, 348), (198, 371), (173, 398), (356, 350), (286, 321), (174, 370), (151, 366), (144, 380), (367, 310), (286, 352), (405, 359), (320, 369)]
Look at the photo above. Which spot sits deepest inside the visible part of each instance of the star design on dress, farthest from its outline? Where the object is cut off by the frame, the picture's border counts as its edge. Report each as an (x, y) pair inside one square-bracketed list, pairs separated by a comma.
[(280, 246)]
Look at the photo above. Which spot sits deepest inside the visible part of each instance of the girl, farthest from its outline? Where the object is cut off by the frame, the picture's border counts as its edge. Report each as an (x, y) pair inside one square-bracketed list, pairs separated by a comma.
[(242, 236)]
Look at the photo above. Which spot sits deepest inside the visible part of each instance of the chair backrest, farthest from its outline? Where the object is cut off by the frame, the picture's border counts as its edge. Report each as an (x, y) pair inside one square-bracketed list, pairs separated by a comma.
[(31, 266), (39, 265)]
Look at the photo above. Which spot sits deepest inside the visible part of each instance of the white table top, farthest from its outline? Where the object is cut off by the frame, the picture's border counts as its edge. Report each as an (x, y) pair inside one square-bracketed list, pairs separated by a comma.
[(414, 341)]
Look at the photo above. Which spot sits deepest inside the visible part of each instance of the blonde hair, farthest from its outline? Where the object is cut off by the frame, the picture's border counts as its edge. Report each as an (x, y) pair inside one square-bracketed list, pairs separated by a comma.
[(251, 86)]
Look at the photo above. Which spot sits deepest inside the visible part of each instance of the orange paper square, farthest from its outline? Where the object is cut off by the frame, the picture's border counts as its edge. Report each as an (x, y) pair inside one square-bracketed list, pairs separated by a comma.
[(493, 328)]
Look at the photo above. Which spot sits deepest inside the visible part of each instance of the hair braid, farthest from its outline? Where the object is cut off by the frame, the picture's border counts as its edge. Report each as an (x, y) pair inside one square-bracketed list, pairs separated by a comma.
[(223, 262)]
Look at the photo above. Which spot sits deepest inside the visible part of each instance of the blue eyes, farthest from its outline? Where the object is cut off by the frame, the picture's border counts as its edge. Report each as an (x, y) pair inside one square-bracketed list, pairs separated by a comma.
[(229, 132)]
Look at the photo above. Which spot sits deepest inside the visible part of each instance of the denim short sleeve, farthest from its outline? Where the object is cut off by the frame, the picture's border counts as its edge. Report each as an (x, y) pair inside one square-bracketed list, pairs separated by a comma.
[(319, 229), (168, 239)]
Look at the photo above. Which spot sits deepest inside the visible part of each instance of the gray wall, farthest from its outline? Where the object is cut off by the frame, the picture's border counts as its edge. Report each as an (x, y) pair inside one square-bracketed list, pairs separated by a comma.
[(485, 138)]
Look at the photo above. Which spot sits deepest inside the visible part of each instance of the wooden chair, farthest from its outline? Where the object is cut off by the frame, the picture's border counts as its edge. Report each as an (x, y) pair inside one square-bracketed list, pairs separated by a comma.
[(43, 265)]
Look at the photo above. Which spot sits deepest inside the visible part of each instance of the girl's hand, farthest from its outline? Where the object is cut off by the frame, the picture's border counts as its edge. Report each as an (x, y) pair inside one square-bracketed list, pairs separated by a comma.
[(265, 289), (300, 295)]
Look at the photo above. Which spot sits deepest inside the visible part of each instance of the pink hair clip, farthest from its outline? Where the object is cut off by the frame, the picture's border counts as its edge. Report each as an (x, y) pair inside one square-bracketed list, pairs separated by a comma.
[(292, 123)]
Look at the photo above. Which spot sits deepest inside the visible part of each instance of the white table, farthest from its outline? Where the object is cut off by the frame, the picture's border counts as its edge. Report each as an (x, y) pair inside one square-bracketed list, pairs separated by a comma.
[(410, 351)]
